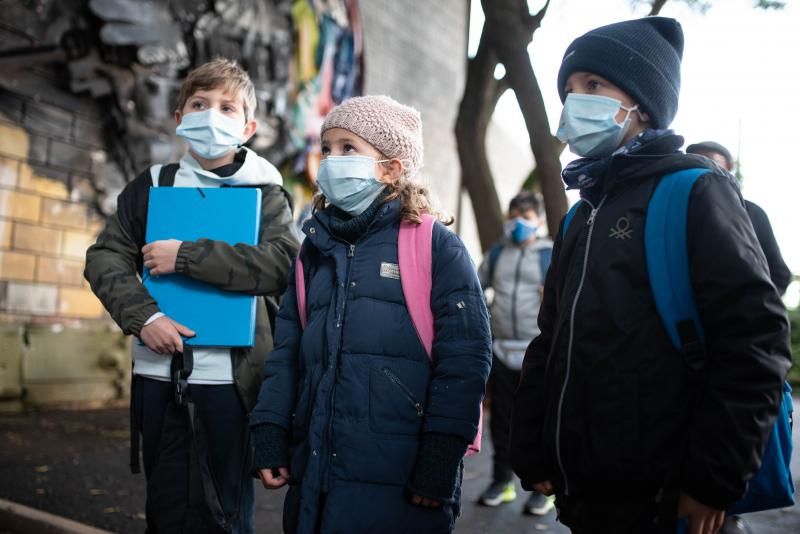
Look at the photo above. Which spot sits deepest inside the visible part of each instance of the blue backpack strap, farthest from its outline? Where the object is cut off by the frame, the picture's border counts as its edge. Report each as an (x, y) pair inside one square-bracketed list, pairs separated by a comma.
[(668, 262), (545, 255), (568, 219), (494, 254), (668, 268)]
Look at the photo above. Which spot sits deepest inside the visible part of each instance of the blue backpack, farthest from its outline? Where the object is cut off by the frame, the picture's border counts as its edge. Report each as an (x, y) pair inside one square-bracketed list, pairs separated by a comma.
[(668, 270), (545, 255)]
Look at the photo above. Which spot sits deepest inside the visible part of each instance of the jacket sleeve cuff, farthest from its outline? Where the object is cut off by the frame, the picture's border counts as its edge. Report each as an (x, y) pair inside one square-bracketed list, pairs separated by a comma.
[(140, 319), (182, 259), (270, 446), (699, 488), (437, 472)]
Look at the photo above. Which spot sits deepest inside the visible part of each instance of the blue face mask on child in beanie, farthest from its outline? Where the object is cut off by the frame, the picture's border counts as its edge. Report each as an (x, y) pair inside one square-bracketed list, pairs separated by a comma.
[(520, 229), (210, 134), (589, 126), (349, 182)]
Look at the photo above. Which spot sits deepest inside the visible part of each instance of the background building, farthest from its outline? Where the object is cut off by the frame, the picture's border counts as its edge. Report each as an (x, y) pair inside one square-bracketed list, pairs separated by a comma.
[(86, 102)]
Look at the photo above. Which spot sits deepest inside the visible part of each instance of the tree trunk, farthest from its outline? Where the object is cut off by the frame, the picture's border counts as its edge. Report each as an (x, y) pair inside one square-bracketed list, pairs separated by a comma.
[(656, 6), (510, 27), (481, 94)]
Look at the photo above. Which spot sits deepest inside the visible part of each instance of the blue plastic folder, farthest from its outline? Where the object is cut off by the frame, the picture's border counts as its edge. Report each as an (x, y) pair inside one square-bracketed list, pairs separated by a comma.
[(220, 318)]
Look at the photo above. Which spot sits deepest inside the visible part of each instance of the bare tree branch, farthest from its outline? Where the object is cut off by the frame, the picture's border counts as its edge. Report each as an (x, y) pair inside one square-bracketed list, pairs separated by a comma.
[(509, 37), (656, 7), (481, 93)]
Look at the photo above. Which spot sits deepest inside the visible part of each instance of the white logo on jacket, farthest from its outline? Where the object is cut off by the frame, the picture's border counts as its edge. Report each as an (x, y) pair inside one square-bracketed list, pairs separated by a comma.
[(622, 230), (390, 270)]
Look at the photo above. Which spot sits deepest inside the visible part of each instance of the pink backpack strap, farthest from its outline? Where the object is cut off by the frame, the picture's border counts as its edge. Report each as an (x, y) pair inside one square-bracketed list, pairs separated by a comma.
[(475, 447), (300, 290), (414, 246), (415, 256)]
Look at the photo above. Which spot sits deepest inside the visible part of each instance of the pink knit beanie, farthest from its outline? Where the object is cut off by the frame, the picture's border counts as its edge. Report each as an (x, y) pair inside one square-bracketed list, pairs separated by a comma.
[(392, 128)]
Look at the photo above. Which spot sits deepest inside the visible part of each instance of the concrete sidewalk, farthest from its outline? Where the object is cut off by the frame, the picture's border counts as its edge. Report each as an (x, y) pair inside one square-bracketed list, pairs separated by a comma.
[(73, 464), (18, 518)]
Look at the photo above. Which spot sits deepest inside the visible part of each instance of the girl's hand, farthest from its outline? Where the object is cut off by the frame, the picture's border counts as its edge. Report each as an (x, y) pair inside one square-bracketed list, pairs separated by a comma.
[(274, 478), (424, 501)]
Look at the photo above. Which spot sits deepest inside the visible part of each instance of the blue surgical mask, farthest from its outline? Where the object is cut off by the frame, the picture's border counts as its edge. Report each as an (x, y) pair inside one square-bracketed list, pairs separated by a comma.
[(211, 134), (589, 126), (520, 229), (349, 183)]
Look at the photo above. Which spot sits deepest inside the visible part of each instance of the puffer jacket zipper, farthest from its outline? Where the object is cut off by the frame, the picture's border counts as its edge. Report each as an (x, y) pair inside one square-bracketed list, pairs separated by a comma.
[(351, 251), (590, 224), (410, 396)]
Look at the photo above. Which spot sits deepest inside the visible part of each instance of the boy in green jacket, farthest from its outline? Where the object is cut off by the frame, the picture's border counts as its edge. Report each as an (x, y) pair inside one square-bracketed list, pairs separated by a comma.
[(215, 116)]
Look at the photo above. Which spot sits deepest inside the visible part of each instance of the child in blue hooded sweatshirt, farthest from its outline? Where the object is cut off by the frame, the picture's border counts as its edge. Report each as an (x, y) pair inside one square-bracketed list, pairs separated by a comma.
[(367, 430)]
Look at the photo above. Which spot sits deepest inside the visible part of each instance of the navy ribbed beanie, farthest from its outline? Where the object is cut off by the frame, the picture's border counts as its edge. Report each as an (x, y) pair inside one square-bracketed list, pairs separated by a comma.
[(642, 57)]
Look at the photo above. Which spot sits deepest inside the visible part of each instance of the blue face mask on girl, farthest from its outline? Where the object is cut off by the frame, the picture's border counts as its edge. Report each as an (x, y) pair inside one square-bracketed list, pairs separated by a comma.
[(589, 126), (210, 134), (520, 230), (349, 182)]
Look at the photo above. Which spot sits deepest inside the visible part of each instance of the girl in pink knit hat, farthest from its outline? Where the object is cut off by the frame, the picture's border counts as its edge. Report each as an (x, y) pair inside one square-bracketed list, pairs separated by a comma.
[(365, 419)]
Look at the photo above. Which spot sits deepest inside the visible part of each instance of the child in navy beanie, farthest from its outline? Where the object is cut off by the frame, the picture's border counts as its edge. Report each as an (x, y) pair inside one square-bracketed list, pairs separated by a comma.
[(641, 57), (609, 416)]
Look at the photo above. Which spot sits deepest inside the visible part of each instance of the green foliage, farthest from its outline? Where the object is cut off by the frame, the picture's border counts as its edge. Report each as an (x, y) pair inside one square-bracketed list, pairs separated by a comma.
[(700, 5), (703, 5), (794, 321), (770, 4)]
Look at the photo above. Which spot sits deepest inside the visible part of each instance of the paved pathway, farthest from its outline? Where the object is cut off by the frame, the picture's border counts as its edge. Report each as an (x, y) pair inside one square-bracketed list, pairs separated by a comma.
[(74, 464)]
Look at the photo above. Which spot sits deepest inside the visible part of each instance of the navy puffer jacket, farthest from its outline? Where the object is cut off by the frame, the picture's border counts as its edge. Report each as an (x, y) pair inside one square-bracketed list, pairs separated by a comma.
[(356, 390)]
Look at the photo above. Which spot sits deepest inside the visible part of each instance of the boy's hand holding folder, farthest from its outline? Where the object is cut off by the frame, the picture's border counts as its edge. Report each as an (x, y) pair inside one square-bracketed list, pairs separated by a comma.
[(160, 256)]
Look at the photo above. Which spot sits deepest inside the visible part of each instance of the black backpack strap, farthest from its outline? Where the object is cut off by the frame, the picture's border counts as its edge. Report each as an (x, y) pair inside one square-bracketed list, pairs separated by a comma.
[(166, 176), (204, 488), (180, 368), (134, 428)]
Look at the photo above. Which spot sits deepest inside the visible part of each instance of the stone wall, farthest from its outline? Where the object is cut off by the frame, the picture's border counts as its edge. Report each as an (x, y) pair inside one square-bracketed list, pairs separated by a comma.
[(47, 219), (56, 341)]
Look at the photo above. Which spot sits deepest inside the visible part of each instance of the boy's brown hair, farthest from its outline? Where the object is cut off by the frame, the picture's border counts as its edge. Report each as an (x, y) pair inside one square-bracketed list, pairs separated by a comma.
[(222, 73)]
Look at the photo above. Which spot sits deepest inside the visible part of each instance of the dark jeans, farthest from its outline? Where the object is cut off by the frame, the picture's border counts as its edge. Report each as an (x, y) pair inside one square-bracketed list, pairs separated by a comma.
[(616, 514), (502, 384), (166, 448)]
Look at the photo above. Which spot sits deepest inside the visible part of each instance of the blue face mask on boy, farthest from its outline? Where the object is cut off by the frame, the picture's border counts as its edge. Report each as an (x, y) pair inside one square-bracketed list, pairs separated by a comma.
[(520, 229), (589, 126), (349, 182), (210, 134)]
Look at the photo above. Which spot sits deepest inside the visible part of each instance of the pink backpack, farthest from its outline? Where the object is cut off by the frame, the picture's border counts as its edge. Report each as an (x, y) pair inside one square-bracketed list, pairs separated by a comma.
[(414, 250)]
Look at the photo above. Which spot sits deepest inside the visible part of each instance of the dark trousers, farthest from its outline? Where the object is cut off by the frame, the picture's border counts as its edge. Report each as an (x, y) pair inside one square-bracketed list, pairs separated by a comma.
[(617, 514), (503, 383), (166, 448)]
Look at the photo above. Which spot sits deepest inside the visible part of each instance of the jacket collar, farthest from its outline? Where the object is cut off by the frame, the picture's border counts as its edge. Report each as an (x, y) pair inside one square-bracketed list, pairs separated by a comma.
[(318, 227), (657, 158)]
